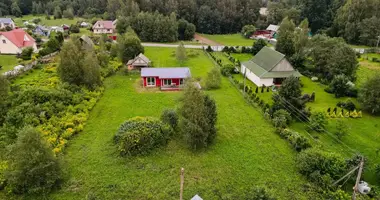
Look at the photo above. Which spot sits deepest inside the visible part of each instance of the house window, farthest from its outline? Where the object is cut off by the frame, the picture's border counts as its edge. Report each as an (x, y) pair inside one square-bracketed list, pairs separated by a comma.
[(181, 81), (108, 30), (150, 81), (167, 81), (4, 41)]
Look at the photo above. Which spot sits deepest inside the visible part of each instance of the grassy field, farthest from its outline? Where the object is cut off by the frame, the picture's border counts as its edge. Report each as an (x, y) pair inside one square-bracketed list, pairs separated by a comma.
[(243, 156), (230, 39), (8, 62), (52, 22), (242, 56)]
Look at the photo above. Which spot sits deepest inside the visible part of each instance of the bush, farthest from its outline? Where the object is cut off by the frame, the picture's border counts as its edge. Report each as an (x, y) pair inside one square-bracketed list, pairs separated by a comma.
[(33, 168), (321, 167), (281, 118), (213, 79), (140, 136), (341, 129), (170, 117), (348, 105), (318, 122), (26, 53), (369, 97), (209, 49), (74, 28), (257, 194), (339, 85), (228, 69), (298, 141)]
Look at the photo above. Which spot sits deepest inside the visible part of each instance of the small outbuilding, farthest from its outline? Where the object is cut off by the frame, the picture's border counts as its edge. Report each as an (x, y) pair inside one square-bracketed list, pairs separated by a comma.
[(165, 78), (138, 62), (268, 67)]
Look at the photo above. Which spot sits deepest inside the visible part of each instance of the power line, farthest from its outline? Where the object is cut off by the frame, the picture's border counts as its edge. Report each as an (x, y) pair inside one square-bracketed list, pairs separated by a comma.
[(330, 134)]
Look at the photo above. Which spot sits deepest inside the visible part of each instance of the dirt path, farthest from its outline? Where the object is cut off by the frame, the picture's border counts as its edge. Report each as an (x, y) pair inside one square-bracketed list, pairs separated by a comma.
[(204, 40)]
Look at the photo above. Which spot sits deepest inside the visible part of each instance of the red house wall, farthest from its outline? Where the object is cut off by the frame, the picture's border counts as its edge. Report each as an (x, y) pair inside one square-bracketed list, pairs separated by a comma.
[(158, 81)]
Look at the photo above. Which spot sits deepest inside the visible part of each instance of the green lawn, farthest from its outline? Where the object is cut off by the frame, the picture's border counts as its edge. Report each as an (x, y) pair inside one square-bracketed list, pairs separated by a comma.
[(247, 153), (242, 56), (8, 62), (230, 39), (52, 22)]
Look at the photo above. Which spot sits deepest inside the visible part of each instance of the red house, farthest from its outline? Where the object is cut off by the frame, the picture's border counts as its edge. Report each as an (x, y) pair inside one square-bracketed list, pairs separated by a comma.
[(165, 78)]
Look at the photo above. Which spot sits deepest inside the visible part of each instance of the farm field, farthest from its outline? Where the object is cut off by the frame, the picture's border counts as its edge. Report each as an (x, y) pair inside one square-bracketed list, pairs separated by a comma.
[(8, 62), (242, 157), (52, 22), (230, 39)]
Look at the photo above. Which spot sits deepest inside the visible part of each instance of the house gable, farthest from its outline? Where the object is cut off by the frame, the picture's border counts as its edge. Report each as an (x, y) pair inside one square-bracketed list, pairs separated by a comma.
[(283, 66), (267, 58)]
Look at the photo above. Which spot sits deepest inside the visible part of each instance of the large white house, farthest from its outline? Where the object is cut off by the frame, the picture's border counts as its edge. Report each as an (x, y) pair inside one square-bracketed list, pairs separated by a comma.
[(107, 27), (4, 22), (13, 42), (268, 67)]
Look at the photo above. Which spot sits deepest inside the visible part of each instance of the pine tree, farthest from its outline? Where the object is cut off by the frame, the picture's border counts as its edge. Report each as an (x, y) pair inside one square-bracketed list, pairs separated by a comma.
[(181, 53), (285, 39)]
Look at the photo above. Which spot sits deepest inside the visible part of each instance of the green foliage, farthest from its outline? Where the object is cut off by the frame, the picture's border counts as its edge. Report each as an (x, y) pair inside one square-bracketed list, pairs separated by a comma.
[(140, 135), (248, 30), (227, 70), (321, 167), (318, 122), (369, 95), (74, 28), (68, 13), (78, 66), (15, 9), (339, 85), (298, 141), (129, 46), (170, 117), (180, 53), (319, 13), (369, 31), (337, 195), (26, 53), (186, 30), (281, 118), (197, 117), (213, 79), (57, 12), (257, 194), (32, 166), (285, 39), (258, 45), (341, 129), (4, 88), (330, 57)]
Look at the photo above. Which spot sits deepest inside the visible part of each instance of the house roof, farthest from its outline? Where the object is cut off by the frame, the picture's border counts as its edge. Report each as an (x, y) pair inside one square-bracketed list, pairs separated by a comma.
[(87, 39), (265, 61), (19, 37), (6, 20), (273, 28), (105, 24), (142, 56), (174, 72)]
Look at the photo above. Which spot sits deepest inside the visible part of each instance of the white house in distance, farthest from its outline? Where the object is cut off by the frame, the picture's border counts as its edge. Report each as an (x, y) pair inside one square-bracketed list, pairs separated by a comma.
[(13, 42), (268, 67), (4, 22), (107, 27)]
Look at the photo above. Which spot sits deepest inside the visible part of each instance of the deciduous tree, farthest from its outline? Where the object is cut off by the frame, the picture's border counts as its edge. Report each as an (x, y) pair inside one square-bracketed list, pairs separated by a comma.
[(285, 39), (369, 95), (180, 53), (129, 46)]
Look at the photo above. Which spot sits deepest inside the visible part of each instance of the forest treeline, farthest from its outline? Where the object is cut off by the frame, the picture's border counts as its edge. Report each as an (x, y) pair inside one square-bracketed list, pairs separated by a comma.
[(357, 21)]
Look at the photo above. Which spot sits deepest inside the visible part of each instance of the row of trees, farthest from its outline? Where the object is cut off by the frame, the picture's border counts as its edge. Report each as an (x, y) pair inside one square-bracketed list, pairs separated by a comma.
[(155, 27)]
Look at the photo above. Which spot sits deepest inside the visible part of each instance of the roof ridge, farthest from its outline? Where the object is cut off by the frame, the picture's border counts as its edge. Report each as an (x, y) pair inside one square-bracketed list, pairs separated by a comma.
[(276, 64)]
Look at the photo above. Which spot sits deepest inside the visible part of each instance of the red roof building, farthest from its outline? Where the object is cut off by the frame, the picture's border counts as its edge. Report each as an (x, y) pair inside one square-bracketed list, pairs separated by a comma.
[(13, 42), (107, 27)]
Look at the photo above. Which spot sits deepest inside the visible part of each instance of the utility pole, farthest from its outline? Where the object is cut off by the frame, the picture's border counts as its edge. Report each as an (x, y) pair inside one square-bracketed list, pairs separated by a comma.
[(358, 178), (182, 181)]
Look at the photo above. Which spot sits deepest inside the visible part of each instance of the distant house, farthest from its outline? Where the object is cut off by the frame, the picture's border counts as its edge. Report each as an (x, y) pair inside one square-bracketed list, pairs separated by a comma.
[(65, 27), (268, 67), (165, 78), (84, 24), (41, 31), (13, 42), (87, 43), (56, 29), (273, 29), (107, 27), (4, 22), (139, 61), (269, 33)]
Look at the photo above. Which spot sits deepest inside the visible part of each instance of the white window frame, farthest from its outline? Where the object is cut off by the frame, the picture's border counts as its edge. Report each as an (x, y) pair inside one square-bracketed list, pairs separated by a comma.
[(150, 80), (181, 81), (166, 82)]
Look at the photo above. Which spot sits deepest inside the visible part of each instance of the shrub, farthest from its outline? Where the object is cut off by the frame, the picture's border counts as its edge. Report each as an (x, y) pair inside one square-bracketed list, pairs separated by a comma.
[(227, 70), (318, 121), (369, 97), (33, 168), (348, 104), (140, 136), (339, 85), (257, 194), (213, 79), (341, 129), (298, 141), (281, 118), (321, 167), (312, 97), (209, 49), (74, 28), (170, 117), (26, 53)]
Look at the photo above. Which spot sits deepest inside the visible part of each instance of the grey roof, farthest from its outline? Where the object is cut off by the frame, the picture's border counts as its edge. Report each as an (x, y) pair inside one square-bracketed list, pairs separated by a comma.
[(273, 28), (174, 72), (88, 40), (268, 58), (196, 197), (6, 20), (142, 56)]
